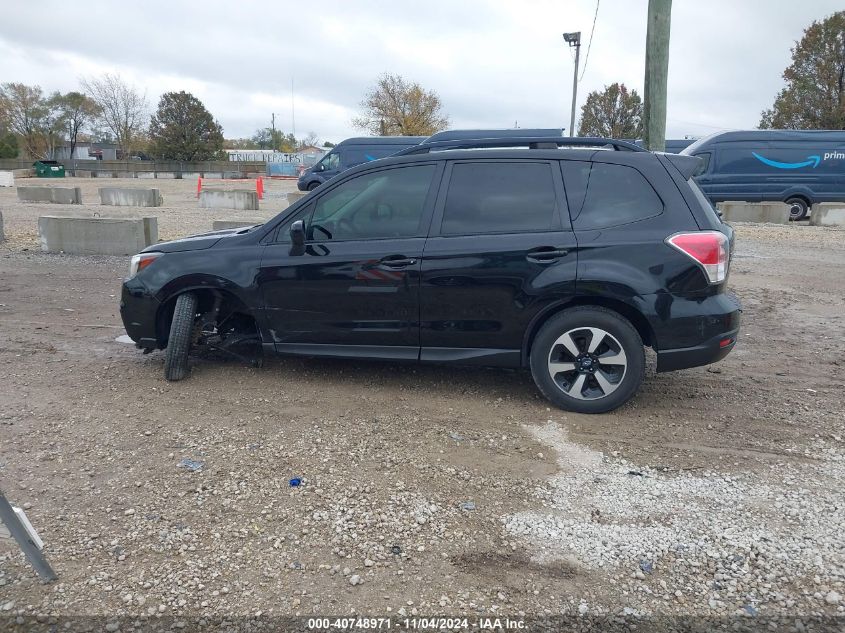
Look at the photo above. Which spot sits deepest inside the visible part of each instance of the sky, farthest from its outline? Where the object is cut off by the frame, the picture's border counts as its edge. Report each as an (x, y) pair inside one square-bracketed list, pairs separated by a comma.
[(494, 63)]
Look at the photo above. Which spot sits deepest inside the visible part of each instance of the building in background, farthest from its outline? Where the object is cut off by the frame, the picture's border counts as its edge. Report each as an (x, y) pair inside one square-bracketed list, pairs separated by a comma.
[(87, 150)]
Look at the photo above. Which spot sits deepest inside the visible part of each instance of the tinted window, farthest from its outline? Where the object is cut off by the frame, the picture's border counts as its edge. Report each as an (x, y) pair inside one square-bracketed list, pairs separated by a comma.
[(576, 173), (704, 202), (499, 198), (283, 232), (381, 204), (616, 194)]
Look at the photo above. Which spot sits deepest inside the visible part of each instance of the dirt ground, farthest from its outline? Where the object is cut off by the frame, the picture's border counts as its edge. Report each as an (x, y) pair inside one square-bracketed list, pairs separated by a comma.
[(717, 492)]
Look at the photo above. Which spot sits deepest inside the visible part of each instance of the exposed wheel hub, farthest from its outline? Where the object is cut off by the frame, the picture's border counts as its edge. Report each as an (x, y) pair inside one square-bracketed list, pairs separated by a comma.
[(587, 363)]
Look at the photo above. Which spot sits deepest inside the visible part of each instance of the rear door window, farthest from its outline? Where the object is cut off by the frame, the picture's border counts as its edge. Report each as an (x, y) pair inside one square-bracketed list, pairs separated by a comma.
[(500, 197), (615, 195)]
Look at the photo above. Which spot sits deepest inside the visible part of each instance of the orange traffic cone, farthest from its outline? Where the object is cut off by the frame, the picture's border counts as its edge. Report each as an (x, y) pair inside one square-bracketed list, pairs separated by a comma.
[(199, 186), (259, 187)]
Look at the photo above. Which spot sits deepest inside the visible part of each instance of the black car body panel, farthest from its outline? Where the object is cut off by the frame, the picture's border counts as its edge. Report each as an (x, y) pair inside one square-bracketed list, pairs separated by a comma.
[(449, 295)]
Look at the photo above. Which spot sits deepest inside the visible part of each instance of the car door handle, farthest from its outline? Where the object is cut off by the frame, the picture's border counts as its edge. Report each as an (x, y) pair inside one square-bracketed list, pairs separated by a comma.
[(546, 254), (397, 261)]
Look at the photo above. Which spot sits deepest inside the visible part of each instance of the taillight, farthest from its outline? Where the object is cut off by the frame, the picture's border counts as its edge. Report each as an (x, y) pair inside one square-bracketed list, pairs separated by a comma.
[(141, 261), (708, 248)]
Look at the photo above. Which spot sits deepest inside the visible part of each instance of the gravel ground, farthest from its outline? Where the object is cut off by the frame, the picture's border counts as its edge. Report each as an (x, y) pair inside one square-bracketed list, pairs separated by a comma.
[(716, 493), (179, 216)]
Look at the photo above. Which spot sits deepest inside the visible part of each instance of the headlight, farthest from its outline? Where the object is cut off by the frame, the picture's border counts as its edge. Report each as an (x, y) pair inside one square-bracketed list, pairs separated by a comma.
[(141, 261)]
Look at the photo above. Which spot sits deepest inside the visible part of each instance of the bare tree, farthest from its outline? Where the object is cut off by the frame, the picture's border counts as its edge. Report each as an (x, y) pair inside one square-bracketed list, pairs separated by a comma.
[(123, 111), (395, 107), (74, 112), (310, 140)]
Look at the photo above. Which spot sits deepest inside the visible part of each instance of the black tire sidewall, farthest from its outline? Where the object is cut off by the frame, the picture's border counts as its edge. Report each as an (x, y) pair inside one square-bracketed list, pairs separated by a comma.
[(179, 340), (602, 318)]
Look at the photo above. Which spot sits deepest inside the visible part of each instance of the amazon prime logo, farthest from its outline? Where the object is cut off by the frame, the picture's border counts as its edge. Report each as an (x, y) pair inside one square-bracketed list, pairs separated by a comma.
[(812, 161)]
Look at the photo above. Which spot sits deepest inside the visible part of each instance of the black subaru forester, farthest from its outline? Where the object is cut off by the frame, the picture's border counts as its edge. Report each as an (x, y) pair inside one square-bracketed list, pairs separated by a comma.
[(563, 255)]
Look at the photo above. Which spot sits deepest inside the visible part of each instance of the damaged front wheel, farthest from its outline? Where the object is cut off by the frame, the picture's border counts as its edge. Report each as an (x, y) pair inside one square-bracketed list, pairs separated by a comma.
[(181, 335)]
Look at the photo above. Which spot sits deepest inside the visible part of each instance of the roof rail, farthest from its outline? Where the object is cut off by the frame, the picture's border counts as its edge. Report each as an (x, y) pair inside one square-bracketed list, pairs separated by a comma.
[(453, 135), (533, 142)]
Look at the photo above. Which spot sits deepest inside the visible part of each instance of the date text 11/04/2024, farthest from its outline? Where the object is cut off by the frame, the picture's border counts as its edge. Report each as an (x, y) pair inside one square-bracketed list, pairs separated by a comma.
[(415, 624)]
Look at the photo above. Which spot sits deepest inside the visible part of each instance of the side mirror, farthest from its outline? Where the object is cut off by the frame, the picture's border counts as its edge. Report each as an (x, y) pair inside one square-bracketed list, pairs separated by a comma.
[(297, 233)]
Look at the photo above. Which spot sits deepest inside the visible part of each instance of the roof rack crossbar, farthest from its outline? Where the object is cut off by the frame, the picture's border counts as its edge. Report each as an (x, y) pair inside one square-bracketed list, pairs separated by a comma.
[(533, 142)]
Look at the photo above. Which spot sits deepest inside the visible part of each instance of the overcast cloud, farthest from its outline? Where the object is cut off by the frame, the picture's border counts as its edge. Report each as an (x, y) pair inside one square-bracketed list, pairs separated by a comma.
[(493, 63)]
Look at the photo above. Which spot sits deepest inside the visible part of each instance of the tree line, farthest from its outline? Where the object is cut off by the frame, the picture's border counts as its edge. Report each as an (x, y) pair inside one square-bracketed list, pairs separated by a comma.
[(107, 109)]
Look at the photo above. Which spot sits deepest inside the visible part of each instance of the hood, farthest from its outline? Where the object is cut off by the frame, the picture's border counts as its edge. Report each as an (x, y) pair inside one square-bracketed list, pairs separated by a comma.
[(197, 242)]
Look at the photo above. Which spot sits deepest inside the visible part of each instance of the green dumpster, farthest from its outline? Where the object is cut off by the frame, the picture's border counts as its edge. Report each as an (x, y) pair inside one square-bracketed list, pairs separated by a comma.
[(49, 169)]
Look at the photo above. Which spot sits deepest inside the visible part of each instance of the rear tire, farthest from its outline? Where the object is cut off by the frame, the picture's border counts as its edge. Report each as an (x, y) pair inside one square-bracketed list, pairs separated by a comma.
[(312, 186), (588, 360), (798, 209), (181, 333)]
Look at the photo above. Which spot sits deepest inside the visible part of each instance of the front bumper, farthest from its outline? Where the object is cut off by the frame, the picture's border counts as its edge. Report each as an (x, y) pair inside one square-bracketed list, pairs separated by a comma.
[(715, 328), (139, 311)]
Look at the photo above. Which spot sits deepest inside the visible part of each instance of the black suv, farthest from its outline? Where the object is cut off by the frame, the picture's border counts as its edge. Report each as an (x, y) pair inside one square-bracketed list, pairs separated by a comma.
[(563, 255)]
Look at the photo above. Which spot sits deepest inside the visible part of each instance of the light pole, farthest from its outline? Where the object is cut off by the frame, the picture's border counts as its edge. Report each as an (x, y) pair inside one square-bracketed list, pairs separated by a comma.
[(574, 39)]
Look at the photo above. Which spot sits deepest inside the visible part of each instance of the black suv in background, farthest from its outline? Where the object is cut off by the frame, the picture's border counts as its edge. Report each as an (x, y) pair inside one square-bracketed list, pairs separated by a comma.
[(566, 256)]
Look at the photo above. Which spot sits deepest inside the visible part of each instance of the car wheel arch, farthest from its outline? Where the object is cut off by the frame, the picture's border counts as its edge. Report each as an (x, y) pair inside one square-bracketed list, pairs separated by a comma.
[(206, 296), (631, 313)]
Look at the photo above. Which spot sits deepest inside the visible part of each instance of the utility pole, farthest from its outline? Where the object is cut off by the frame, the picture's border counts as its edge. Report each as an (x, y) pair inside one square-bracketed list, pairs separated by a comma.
[(273, 127), (574, 40), (656, 73)]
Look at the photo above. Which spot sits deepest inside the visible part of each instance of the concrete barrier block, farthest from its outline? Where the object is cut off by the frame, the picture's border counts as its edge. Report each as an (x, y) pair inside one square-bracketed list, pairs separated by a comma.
[(121, 197), (150, 229), (82, 173), (2, 234), (24, 173), (828, 214), (241, 199), (294, 196), (93, 236), (219, 225), (147, 174), (217, 175), (169, 175), (770, 212), (7, 179), (54, 195)]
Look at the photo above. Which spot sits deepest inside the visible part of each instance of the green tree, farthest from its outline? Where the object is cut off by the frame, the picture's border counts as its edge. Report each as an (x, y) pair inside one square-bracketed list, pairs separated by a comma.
[(396, 107), (183, 129), (268, 138), (24, 111), (614, 112), (240, 143), (8, 145), (814, 95), (74, 113)]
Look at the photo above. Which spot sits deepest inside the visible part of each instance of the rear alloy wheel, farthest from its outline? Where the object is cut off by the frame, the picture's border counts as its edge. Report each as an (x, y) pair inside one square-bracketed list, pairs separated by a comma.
[(588, 360), (181, 334), (798, 208)]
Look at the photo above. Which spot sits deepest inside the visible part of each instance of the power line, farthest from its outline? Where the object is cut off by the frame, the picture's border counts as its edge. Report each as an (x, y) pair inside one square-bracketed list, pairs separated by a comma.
[(590, 43)]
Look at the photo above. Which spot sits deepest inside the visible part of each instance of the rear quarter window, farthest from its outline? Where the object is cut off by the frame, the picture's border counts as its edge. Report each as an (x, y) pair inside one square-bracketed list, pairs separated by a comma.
[(615, 195), (704, 202)]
